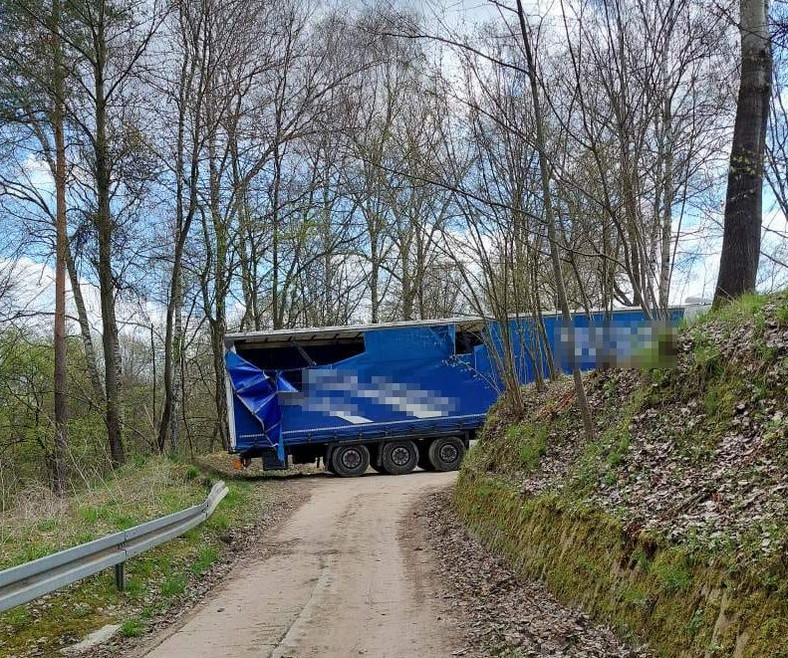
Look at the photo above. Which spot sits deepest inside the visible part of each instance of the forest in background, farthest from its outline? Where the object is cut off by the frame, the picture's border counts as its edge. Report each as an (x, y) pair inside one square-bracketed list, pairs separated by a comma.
[(205, 166)]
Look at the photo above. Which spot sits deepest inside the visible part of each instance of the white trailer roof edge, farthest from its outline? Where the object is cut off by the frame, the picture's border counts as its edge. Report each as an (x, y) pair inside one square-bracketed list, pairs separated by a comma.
[(308, 334)]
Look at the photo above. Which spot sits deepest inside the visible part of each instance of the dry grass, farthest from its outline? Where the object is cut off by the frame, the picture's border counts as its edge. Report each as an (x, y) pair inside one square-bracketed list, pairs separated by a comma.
[(221, 464), (39, 523), (158, 581)]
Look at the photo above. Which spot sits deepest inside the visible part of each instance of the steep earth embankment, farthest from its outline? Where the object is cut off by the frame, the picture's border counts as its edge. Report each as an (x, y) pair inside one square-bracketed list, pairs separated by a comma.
[(672, 523)]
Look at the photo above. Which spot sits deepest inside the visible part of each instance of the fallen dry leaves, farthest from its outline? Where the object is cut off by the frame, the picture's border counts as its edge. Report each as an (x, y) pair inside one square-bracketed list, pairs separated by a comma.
[(702, 460), (500, 614)]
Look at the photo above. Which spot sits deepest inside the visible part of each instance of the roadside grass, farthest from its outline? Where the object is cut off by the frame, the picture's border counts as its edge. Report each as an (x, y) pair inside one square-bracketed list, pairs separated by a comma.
[(132, 627), (156, 580), (132, 495)]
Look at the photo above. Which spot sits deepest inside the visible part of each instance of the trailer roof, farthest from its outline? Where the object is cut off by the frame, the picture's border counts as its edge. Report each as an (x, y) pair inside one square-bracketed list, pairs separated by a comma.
[(351, 332), (330, 334)]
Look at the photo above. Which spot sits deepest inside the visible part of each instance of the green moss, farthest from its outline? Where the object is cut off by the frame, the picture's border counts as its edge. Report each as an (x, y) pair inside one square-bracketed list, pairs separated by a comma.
[(670, 575), (681, 602), (531, 445), (696, 623), (17, 617)]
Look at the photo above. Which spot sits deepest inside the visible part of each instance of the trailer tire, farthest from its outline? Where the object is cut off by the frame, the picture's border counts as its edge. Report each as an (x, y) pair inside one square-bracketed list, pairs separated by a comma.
[(350, 461), (400, 457), (446, 453)]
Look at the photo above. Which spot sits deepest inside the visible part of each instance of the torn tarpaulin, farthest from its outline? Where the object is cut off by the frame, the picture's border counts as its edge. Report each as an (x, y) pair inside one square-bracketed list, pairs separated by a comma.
[(258, 393)]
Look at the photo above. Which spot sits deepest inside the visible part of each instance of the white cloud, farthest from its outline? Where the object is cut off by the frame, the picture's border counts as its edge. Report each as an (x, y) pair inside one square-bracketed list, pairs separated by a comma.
[(38, 173), (32, 301)]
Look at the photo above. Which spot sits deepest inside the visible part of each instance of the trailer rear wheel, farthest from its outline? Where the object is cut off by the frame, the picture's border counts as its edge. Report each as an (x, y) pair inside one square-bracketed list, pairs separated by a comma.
[(400, 457), (446, 453), (350, 461)]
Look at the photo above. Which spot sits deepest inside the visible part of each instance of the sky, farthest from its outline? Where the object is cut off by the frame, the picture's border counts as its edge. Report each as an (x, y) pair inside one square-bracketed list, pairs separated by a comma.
[(33, 294), (33, 302)]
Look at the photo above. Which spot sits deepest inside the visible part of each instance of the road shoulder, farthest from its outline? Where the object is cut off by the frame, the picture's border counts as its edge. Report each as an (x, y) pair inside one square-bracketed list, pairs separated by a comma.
[(283, 500), (500, 614)]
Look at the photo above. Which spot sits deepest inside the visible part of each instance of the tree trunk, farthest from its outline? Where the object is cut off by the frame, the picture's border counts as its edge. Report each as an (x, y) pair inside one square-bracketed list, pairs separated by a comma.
[(60, 383), (741, 242), (84, 327), (105, 230), (177, 368), (407, 283), (544, 167), (173, 333), (277, 311), (218, 324), (374, 278), (667, 150)]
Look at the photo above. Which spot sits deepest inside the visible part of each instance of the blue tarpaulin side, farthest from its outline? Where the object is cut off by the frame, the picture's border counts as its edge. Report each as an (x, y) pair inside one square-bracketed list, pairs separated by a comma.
[(414, 381), (258, 393)]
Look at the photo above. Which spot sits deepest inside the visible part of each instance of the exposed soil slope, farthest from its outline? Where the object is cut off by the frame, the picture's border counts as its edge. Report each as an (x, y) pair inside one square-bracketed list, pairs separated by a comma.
[(500, 615), (672, 522)]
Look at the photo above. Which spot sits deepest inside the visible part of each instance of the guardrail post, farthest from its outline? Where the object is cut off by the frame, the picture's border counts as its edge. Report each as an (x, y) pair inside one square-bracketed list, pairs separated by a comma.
[(120, 576)]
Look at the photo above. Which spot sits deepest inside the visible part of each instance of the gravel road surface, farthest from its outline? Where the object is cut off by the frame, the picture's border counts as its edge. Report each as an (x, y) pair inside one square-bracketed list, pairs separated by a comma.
[(345, 576)]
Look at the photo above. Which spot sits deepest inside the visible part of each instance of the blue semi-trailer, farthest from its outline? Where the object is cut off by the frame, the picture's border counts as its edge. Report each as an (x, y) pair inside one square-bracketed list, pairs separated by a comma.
[(394, 396)]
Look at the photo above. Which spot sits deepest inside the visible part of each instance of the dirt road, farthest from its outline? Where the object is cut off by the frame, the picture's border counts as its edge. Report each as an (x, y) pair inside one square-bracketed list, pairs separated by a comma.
[(346, 576)]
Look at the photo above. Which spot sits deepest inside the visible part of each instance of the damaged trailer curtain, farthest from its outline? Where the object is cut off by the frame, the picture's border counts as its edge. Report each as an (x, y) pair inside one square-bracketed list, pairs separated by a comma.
[(257, 391)]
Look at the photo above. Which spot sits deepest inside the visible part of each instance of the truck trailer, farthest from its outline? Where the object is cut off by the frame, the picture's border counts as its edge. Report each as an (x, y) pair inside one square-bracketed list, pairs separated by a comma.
[(400, 395)]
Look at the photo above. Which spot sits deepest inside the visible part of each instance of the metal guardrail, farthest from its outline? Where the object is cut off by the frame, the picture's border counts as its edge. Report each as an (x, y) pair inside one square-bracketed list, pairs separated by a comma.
[(28, 581)]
